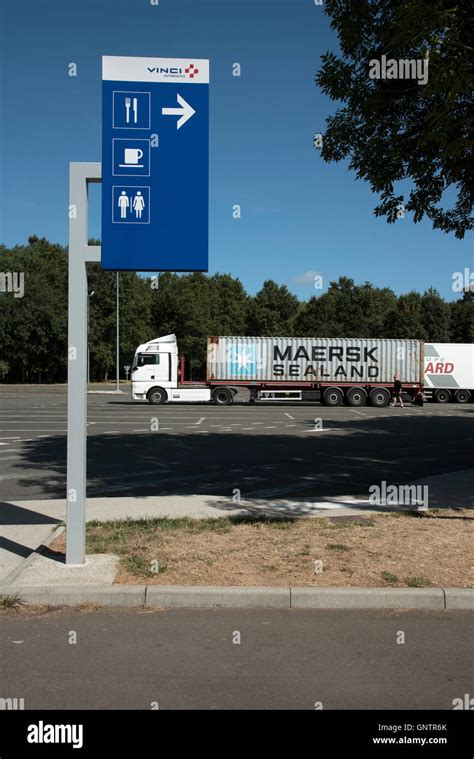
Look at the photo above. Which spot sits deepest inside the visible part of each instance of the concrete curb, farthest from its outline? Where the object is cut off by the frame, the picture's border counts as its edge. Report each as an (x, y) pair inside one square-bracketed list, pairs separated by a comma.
[(367, 598), (459, 598), (65, 595), (169, 596)]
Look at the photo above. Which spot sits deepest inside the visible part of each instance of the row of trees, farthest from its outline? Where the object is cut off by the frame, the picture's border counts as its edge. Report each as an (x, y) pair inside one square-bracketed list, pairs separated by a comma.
[(33, 328)]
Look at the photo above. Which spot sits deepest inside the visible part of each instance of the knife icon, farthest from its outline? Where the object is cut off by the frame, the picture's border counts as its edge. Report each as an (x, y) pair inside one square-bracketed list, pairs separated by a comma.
[(135, 110)]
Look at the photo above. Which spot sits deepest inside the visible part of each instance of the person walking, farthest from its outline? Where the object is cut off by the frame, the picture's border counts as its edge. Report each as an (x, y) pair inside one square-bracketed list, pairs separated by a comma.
[(397, 392)]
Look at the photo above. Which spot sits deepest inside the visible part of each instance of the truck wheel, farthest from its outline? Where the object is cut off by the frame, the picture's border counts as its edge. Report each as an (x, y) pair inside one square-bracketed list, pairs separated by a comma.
[(157, 395), (222, 396), (379, 397), (442, 396), (333, 396), (462, 396), (355, 396)]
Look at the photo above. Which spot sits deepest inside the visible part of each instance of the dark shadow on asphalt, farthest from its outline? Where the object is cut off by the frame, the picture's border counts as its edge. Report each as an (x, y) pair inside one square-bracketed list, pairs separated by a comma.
[(345, 458), (11, 514), (11, 546), (48, 553), (24, 551)]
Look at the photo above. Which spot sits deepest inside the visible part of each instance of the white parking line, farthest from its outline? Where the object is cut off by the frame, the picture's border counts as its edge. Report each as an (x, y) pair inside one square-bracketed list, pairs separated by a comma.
[(289, 416)]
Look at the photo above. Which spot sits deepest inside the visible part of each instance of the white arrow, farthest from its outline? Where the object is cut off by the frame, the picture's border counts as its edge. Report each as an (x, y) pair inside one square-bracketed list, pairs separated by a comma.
[(185, 111)]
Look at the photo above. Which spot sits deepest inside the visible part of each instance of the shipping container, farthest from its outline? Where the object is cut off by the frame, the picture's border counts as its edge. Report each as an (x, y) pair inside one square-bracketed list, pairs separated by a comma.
[(315, 360)]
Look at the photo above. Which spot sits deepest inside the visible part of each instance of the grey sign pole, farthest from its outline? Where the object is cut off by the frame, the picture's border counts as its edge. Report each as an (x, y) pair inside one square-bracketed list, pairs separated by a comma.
[(80, 175), (117, 348)]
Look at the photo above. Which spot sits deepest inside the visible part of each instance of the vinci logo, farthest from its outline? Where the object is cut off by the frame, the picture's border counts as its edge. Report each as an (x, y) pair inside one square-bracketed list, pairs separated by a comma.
[(242, 360), (175, 71), (191, 71)]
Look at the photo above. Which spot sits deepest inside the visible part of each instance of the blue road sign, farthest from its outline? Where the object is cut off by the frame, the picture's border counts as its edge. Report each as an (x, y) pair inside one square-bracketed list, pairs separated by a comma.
[(155, 164)]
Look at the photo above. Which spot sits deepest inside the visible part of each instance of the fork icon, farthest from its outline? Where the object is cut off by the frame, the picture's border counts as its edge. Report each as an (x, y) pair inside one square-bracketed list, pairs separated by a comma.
[(127, 110)]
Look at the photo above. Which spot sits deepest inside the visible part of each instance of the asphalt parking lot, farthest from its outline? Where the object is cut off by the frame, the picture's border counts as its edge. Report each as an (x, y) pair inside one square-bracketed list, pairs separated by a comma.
[(288, 451)]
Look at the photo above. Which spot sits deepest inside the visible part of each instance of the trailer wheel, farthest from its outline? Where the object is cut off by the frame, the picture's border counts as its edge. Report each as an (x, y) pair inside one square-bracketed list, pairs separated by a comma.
[(356, 396), (222, 396), (157, 396), (462, 396), (442, 396), (379, 397), (333, 396)]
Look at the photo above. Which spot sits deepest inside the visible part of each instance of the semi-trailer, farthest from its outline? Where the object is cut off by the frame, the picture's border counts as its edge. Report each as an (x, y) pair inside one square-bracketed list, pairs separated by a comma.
[(332, 370), (449, 372)]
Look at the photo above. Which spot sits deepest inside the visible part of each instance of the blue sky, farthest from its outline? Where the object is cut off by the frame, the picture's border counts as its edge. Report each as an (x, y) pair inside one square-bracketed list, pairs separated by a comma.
[(298, 214)]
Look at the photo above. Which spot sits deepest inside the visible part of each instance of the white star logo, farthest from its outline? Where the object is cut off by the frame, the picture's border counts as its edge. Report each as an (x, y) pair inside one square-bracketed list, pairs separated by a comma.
[(244, 359)]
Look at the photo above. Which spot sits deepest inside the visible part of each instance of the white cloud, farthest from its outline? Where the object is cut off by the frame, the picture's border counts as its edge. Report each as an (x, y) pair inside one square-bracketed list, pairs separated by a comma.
[(307, 278)]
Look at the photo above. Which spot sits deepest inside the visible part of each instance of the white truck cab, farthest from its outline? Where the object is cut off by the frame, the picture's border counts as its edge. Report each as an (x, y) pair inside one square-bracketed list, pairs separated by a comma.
[(155, 374), (155, 364)]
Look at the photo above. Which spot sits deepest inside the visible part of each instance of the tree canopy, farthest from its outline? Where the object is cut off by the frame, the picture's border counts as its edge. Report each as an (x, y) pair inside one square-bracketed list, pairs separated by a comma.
[(394, 129), (33, 328)]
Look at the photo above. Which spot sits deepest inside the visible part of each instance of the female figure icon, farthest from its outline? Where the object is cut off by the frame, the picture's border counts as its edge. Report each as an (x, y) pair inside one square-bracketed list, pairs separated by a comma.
[(138, 204)]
